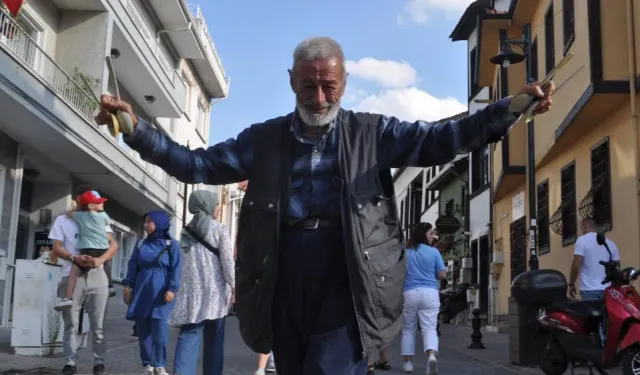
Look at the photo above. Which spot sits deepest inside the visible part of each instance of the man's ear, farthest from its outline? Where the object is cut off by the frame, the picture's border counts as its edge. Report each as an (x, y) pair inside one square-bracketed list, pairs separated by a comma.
[(292, 82)]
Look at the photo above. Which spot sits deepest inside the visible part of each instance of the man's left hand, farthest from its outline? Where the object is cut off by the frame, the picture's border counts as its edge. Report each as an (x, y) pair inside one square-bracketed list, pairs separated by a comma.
[(542, 93), (96, 262)]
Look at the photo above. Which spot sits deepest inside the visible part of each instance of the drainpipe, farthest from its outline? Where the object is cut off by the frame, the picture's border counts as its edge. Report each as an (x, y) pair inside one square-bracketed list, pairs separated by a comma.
[(632, 98)]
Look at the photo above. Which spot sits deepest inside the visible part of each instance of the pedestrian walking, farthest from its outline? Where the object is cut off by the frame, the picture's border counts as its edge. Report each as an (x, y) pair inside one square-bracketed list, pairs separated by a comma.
[(320, 256), (153, 278), (208, 274), (422, 297), (265, 364), (91, 290)]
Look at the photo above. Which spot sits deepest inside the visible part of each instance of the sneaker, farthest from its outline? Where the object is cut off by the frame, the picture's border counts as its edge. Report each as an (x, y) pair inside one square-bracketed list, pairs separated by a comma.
[(384, 365), (371, 370), (63, 304), (69, 370), (271, 366), (160, 371), (432, 365), (99, 369), (259, 371), (407, 367), (112, 291), (148, 370)]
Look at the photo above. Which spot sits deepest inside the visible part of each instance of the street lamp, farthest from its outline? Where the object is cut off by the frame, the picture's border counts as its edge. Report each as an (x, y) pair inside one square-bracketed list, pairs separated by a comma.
[(506, 58)]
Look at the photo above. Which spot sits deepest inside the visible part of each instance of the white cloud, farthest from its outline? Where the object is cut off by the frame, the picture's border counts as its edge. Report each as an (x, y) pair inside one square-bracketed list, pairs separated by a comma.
[(410, 104), (420, 11), (387, 73), (353, 95)]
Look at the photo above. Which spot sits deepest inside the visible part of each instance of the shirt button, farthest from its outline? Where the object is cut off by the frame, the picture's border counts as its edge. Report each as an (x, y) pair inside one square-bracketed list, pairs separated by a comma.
[(359, 206), (315, 149), (270, 205)]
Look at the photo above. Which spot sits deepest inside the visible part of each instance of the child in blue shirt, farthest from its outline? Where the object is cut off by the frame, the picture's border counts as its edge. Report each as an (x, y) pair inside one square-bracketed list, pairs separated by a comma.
[(92, 239)]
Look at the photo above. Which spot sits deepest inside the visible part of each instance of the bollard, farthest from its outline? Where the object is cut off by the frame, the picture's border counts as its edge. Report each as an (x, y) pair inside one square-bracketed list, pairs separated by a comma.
[(476, 335), (438, 328)]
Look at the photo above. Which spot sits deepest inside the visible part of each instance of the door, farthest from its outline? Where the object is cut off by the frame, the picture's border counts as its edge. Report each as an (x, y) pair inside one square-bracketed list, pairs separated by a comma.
[(483, 273), (518, 248)]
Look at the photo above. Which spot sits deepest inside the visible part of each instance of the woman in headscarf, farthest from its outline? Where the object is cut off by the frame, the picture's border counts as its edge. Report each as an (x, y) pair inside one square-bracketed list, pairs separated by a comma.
[(153, 279), (208, 276)]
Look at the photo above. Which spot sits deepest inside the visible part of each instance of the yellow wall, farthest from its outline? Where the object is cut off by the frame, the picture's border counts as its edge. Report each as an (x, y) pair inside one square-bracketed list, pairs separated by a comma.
[(615, 55), (625, 227)]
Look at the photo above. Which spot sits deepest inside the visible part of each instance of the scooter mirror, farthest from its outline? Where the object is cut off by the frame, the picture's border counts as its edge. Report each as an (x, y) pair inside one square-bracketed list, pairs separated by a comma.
[(600, 237)]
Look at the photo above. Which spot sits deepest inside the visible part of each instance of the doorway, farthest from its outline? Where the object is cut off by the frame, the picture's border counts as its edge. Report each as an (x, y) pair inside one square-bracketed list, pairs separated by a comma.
[(484, 273), (518, 251)]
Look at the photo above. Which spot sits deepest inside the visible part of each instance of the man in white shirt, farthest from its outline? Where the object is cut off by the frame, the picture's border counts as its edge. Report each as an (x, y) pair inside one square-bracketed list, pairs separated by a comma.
[(92, 290)]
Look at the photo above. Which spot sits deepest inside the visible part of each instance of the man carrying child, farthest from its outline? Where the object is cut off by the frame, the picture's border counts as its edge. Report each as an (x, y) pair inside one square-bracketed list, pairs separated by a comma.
[(91, 289)]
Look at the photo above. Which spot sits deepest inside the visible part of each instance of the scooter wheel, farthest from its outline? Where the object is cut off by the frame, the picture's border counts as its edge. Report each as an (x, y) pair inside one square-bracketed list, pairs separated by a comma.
[(552, 360), (631, 361)]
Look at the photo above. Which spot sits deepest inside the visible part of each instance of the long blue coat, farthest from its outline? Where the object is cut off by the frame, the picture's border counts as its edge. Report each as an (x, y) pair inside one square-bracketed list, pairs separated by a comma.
[(150, 276)]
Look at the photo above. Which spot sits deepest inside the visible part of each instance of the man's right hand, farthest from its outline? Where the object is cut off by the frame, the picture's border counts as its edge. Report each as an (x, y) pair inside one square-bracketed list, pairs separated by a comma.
[(110, 105), (83, 261)]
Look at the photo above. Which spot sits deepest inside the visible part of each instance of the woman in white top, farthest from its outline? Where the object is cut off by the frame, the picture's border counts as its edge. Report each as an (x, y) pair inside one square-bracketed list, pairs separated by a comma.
[(206, 288)]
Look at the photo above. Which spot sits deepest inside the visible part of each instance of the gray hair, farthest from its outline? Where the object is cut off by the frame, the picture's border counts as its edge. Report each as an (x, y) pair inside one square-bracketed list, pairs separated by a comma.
[(318, 48)]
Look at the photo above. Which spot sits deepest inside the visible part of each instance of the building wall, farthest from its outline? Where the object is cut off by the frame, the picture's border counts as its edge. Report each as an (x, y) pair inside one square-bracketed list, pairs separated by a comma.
[(431, 214), (8, 154), (617, 127), (453, 191)]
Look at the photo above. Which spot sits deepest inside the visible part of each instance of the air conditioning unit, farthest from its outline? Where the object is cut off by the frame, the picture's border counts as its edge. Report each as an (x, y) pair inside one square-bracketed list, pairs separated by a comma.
[(498, 257)]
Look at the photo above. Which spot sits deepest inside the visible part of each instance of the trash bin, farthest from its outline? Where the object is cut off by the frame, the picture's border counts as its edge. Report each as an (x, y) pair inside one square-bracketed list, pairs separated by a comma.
[(454, 302), (530, 291)]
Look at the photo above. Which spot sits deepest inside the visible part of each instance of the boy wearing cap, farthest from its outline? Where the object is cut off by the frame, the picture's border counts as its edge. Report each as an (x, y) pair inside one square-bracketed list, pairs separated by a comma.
[(92, 239)]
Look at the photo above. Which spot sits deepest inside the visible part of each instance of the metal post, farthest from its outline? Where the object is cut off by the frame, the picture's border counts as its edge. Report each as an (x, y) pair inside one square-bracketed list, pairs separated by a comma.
[(185, 200), (531, 165)]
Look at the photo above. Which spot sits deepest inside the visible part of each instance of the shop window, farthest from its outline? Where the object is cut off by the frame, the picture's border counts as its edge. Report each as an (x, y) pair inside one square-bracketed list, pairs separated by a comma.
[(542, 213), (568, 23), (568, 199), (601, 185), (549, 40)]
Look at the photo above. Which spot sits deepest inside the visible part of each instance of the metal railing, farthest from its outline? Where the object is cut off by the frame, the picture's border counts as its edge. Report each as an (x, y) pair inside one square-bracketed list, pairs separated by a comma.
[(148, 34), (201, 26), (20, 45)]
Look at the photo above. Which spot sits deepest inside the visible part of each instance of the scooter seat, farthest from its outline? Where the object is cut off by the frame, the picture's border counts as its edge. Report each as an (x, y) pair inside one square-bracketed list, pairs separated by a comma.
[(579, 309)]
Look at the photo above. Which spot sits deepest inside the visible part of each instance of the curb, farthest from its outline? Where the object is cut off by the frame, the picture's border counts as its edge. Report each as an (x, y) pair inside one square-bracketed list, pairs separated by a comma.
[(517, 370)]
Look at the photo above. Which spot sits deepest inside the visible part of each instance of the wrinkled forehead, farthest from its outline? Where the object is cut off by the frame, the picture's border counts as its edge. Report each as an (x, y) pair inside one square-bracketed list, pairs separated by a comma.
[(329, 68)]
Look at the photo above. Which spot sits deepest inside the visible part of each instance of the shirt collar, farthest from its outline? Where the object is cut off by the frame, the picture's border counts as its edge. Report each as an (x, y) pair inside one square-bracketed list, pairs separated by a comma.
[(297, 127)]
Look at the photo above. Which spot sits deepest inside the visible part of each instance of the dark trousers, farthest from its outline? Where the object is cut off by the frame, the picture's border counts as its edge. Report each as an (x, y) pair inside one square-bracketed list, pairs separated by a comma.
[(188, 348), (314, 325)]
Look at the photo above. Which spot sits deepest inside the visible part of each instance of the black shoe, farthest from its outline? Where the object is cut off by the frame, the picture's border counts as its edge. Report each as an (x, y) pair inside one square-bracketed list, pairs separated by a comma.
[(69, 370), (385, 365), (99, 369)]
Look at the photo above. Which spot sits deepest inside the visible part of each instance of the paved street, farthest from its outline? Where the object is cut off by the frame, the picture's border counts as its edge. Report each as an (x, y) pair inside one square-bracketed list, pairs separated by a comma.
[(122, 356)]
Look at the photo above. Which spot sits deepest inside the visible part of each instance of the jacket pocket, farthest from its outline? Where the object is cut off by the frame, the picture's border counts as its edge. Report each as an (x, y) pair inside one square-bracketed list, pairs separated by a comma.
[(376, 220), (257, 225), (388, 293)]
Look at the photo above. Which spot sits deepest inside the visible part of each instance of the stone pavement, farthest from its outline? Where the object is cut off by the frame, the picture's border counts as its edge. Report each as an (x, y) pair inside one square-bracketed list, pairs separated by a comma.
[(122, 355)]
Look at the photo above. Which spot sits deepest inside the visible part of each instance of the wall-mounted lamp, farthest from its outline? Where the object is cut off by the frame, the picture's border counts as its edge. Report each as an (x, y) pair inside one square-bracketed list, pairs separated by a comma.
[(115, 53), (149, 99), (507, 56), (45, 216)]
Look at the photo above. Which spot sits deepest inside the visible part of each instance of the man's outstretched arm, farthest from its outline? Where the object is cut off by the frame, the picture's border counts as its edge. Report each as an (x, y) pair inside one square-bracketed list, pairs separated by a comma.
[(224, 163)]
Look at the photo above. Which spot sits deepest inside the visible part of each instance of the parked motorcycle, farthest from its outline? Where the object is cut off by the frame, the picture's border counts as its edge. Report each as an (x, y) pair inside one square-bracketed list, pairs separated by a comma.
[(573, 327)]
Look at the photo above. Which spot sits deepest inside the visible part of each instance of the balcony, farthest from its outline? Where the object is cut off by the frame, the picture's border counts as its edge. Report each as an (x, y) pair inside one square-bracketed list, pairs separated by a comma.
[(144, 65), (209, 69), (52, 112), (176, 24)]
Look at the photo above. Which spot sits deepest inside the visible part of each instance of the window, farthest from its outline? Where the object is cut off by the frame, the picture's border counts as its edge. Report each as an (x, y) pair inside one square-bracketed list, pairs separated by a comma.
[(473, 84), (202, 122), (549, 40), (126, 243), (448, 208), (416, 200), (542, 214), (568, 201), (480, 169), (534, 60), (601, 185), (568, 23), (189, 98)]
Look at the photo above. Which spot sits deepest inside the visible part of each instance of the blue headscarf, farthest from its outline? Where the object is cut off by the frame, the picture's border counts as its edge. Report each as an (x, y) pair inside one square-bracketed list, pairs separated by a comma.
[(162, 222)]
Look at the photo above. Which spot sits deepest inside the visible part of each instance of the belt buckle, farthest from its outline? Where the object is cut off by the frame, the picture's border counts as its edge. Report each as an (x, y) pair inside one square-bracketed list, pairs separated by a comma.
[(314, 223)]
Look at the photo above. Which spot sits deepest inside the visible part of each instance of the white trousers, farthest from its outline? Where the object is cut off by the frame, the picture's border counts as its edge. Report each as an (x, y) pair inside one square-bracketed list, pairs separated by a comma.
[(423, 304)]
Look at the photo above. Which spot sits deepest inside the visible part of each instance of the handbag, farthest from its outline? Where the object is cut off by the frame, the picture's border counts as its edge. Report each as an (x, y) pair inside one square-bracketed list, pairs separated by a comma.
[(202, 241)]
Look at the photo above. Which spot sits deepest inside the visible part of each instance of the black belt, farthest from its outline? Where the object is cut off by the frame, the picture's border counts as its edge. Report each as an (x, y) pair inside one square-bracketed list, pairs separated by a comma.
[(313, 223)]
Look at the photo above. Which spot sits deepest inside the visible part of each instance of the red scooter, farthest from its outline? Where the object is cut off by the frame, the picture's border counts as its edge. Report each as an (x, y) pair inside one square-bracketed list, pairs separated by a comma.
[(573, 327)]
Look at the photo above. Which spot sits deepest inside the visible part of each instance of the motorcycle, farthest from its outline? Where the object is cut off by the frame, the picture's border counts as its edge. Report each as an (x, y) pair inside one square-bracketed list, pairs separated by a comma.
[(573, 327)]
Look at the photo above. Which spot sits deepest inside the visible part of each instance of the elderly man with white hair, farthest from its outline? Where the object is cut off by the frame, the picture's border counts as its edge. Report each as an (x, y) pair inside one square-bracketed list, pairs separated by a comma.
[(321, 262)]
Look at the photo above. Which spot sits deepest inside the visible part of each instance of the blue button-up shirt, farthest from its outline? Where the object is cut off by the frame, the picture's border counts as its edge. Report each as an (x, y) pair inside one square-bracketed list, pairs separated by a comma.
[(315, 184)]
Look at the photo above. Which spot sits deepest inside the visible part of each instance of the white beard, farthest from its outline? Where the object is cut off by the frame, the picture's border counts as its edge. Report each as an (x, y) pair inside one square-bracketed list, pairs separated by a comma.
[(318, 120)]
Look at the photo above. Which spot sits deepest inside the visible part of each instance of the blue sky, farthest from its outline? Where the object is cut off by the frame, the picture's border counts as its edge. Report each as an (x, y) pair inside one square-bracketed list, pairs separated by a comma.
[(402, 60)]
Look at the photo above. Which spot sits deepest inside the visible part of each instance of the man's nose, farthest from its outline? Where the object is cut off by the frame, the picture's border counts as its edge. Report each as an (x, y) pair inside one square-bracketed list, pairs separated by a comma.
[(318, 98)]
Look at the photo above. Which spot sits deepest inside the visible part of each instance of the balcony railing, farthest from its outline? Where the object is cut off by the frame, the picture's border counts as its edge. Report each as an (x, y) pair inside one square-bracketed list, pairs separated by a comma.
[(148, 34), (203, 31), (22, 47)]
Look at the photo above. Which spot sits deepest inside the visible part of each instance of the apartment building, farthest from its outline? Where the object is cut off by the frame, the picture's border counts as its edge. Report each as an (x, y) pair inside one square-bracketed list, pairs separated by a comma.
[(165, 65), (479, 200), (415, 203), (587, 159)]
